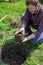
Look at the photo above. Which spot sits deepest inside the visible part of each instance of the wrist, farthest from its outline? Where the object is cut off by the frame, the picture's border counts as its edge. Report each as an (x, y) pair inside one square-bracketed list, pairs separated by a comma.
[(28, 38), (22, 28)]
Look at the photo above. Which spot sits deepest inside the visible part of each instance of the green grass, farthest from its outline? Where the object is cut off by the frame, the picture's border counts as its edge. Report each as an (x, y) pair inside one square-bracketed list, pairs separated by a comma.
[(34, 52), (12, 10)]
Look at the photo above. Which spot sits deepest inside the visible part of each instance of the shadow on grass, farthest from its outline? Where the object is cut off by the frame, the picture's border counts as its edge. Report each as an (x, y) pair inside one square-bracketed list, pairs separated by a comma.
[(15, 54)]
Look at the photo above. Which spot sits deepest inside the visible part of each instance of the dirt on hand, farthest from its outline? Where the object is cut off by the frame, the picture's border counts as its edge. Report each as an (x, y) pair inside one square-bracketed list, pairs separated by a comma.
[(19, 37)]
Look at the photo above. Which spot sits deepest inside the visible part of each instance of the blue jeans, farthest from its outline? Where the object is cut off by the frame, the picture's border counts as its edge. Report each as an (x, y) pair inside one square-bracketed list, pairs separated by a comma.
[(28, 30)]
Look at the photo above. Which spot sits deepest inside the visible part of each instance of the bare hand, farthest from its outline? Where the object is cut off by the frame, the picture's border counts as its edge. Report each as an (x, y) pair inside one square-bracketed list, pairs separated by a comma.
[(16, 32), (21, 30), (25, 39)]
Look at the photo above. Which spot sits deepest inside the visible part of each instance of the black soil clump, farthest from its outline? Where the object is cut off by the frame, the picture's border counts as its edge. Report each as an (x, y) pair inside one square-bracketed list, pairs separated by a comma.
[(13, 54)]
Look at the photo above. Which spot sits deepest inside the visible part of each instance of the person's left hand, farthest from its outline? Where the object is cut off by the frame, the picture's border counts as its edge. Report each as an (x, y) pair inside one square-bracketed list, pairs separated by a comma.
[(25, 39)]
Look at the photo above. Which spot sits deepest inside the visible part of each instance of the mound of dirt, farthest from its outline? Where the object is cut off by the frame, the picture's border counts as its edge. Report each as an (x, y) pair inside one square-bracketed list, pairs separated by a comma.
[(13, 54), (19, 37), (15, 22)]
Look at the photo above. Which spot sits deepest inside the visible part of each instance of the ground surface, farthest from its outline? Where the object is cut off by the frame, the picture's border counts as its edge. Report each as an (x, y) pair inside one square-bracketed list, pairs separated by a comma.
[(34, 52)]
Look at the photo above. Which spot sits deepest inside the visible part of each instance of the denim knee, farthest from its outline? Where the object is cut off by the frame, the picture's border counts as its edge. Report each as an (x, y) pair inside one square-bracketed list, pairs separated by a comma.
[(38, 39)]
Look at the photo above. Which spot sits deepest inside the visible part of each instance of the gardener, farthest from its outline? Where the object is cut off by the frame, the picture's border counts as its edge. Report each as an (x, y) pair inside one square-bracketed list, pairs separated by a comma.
[(33, 17)]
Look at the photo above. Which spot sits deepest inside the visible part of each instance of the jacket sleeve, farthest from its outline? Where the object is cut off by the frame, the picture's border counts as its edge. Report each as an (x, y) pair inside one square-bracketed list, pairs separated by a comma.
[(26, 17), (40, 28)]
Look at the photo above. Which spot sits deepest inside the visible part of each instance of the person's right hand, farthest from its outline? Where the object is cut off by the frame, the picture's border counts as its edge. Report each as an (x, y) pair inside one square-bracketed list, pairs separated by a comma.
[(21, 30), (17, 32)]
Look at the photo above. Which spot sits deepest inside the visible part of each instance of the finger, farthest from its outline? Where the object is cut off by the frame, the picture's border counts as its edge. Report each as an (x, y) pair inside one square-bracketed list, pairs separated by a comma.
[(23, 41), (16, 33)]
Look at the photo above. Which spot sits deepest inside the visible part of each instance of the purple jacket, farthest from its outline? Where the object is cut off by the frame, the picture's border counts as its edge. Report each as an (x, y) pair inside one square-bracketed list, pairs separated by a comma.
[(37, 19)]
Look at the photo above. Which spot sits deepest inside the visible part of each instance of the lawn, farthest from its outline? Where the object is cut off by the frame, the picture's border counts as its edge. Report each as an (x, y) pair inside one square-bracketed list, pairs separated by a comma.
[(34, 52)]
